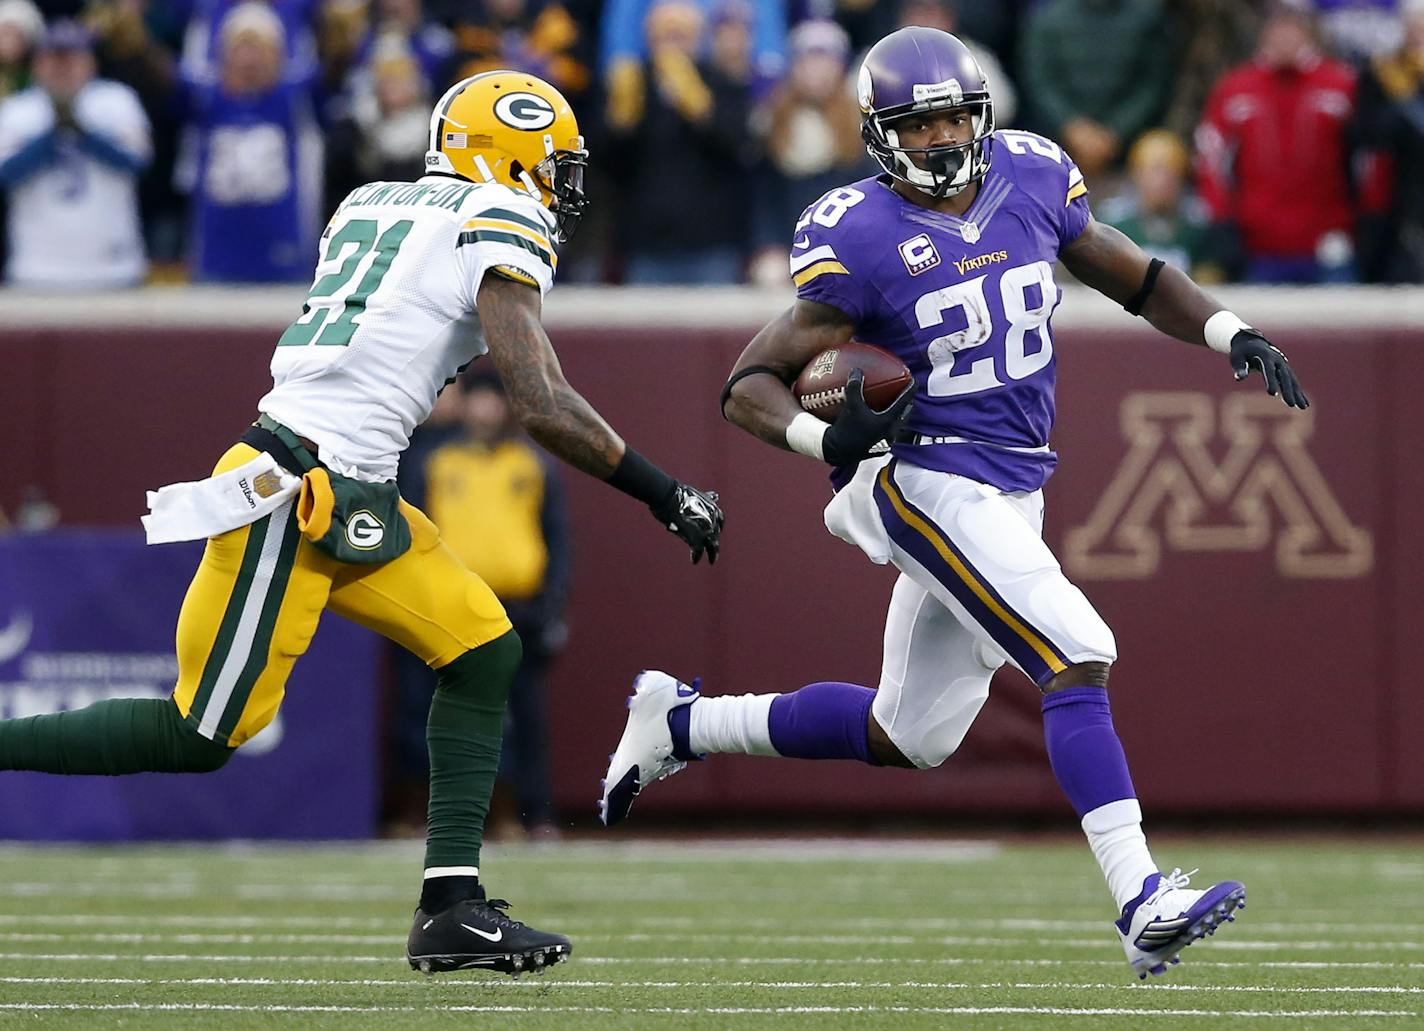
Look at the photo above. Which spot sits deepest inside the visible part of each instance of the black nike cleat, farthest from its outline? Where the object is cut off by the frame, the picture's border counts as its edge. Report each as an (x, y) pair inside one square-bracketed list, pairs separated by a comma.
[(476, 934)]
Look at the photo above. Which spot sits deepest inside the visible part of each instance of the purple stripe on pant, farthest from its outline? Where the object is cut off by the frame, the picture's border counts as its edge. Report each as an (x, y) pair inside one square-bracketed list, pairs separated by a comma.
[(922, 549)]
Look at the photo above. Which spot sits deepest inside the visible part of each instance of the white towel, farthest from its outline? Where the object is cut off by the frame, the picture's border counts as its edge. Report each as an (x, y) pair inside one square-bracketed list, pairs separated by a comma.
[(206, 508), (854, 517)]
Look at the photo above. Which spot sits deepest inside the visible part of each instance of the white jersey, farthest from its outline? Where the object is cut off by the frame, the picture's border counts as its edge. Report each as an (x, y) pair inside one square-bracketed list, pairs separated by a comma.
[(391, 316), (73, 221)]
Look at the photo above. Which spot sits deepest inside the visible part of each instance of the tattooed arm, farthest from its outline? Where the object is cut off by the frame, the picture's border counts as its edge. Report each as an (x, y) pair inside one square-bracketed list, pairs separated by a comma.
[(558, 417), (553, 413)]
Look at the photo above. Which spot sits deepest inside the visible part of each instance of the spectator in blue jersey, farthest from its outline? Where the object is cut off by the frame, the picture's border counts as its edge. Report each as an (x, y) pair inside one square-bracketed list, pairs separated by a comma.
[(624, 50), (71, 149), (203, 46), (255, 171), (682, 140)]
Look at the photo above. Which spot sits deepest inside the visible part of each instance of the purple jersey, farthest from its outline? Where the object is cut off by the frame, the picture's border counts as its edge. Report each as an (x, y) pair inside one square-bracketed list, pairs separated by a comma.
[(965, 302)]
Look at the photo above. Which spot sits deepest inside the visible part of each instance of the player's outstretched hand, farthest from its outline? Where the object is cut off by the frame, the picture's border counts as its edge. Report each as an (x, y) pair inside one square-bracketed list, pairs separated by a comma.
[(695, 516), (1250, 347), (858, 427)]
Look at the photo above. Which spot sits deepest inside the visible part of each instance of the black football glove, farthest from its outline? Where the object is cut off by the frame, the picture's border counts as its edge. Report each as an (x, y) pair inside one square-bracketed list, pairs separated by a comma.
[(1249, 346), (858, 427), (694, 516)]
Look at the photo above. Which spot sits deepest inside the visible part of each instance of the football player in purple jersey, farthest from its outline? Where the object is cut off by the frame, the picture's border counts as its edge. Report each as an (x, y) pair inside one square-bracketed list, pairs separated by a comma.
[(947, 259)]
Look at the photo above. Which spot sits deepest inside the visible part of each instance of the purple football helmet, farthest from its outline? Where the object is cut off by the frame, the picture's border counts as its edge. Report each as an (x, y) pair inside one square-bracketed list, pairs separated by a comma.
[(912, 71)]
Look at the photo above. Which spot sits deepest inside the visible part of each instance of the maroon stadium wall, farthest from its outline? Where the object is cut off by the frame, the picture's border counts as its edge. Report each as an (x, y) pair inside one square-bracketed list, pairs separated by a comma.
[(1262, 569)]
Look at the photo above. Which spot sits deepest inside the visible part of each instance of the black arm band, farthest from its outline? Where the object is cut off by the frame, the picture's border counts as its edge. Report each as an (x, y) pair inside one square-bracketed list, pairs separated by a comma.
[(1137, 300), (641, 479), (740, 374)]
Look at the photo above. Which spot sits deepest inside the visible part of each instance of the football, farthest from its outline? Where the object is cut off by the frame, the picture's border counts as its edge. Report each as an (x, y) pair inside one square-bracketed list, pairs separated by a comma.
[(820, 388)]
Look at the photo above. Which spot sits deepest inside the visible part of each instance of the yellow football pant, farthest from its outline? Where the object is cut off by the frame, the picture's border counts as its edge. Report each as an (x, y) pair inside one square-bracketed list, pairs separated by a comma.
[(260, 590)]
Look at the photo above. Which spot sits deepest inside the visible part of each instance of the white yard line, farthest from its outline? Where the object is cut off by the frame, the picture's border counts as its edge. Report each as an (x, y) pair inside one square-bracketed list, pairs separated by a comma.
[(1067, 1011), (911, 924), (394, 940), (395, 958), (106, 937), (561, 982), (178, 957), (711, 850), (141, 920), (188, 920)]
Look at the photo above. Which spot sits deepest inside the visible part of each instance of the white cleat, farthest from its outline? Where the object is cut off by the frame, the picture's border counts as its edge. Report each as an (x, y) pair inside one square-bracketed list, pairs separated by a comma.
[(1168, 916), (645, 751)]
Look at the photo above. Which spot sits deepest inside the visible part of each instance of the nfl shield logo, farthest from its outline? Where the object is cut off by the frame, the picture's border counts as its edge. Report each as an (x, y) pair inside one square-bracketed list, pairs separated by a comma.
[(970, 232), (919, 254)]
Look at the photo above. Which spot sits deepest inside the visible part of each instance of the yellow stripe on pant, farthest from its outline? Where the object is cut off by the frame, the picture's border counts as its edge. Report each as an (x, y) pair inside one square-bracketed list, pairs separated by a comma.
[(259, 592)]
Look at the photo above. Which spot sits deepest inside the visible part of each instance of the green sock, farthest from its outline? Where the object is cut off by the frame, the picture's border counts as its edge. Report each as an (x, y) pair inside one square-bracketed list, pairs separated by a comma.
[(118, 735), (463, 734)]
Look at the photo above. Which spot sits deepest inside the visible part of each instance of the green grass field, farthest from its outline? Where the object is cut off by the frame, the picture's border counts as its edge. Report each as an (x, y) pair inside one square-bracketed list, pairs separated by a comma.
[(795, 934)]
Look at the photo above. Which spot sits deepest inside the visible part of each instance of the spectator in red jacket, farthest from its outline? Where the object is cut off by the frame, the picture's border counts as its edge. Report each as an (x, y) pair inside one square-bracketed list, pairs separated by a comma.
[(1274, 158)]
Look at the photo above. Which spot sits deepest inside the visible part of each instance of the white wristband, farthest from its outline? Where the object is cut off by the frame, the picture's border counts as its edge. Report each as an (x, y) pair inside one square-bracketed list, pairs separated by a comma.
[(806, 434), (1219, 330)]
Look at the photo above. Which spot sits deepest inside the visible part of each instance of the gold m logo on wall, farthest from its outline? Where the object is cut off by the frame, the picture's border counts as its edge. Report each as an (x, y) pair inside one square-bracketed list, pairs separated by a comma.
[(1171, 493)]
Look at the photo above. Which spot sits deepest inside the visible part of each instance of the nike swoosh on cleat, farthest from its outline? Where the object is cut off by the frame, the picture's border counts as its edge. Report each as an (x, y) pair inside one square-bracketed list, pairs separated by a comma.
[(499, 934)]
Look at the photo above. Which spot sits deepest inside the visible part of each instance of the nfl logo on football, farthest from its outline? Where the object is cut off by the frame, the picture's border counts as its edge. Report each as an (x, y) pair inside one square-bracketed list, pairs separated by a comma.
[(919, 254)]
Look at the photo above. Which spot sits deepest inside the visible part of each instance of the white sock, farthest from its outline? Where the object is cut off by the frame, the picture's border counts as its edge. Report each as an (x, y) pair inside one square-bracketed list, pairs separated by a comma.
[(1115, 835), (731, 723)]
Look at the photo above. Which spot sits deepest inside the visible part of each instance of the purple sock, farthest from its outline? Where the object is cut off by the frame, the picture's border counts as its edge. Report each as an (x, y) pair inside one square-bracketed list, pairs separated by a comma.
[(1083, 748), (823, 721)]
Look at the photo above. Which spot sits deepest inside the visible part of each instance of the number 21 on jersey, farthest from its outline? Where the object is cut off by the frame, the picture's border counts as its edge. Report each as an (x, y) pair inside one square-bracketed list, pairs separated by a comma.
[(337, 298)]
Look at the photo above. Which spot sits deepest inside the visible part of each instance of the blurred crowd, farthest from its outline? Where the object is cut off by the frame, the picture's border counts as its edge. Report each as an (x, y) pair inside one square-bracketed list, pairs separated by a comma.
[(1257, 140)]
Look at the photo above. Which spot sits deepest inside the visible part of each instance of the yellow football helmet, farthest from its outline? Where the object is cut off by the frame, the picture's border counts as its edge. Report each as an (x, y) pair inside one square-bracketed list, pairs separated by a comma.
[(512, 128)]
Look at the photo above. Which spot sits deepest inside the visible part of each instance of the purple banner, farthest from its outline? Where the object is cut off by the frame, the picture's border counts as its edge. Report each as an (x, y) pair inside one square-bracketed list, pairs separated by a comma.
[(86, 615)]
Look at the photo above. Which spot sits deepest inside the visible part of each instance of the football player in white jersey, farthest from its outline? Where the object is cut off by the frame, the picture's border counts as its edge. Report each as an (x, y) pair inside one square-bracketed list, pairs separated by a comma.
[(414, 281)]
